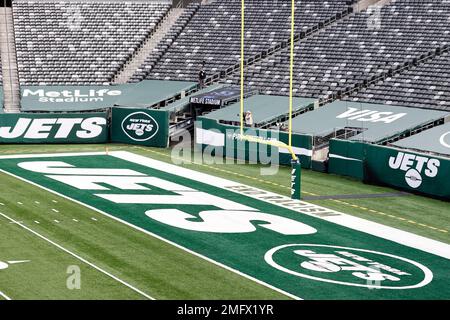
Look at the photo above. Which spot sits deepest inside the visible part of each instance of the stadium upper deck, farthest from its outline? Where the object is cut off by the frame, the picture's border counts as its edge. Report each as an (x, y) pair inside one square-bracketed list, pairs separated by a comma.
[(395, 55)]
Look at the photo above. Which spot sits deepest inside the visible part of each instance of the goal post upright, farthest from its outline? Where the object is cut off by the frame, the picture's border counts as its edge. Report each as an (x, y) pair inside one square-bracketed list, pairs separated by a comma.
[(296, 166), (242, 64)]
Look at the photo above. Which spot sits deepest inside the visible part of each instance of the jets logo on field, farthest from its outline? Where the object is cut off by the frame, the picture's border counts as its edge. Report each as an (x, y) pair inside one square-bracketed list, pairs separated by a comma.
[(349, 266), (414, 166), (139, 126)]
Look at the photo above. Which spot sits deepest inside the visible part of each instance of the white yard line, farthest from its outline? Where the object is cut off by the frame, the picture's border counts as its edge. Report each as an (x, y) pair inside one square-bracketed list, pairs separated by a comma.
[(4, 296), (77, 257), (43, 155)]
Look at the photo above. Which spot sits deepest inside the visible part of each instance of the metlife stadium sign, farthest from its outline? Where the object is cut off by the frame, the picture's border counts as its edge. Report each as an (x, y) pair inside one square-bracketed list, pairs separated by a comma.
[(61, 98), (54, 128), (87, 95), (94, 98)]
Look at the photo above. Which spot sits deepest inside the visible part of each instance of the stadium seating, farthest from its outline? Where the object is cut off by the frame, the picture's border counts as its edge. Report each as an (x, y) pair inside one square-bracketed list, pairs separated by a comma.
[(423, 86), (213, 34), (399, 57), (351, 53), (165, 43), (79, 42)]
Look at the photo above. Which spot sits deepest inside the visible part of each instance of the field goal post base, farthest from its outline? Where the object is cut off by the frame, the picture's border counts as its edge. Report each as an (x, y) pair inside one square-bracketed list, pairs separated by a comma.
[(296, 179), (296, 173)]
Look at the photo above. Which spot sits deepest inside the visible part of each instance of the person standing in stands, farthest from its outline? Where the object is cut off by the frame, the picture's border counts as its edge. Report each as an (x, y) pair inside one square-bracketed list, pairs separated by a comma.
[(248, 119), (202, 76)]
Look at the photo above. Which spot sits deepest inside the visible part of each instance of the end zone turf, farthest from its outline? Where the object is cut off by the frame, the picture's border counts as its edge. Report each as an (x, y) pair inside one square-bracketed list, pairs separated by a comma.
[(297, 248)]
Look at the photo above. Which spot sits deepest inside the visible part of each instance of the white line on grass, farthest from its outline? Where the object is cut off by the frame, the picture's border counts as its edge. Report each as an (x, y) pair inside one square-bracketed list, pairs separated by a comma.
[(4, 296), (265, 284), (54, 210), (44, 155), (78, 257)]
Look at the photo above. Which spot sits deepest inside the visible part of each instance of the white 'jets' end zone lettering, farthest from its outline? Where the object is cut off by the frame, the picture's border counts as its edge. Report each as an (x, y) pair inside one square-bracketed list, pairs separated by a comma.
[(228, 221), (59, 167), (234, 218)]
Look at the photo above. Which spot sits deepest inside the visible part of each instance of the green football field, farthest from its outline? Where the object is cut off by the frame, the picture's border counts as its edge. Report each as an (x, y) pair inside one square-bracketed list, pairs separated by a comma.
[(202, 231)]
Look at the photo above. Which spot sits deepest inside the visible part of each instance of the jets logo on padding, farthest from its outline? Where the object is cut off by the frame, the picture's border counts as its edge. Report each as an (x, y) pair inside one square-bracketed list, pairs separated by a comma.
[(414, 166), (139, 126)]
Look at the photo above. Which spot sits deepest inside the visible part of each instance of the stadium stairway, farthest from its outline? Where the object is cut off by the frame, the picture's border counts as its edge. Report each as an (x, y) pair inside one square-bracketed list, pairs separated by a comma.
[(11, 89), (149, 62), (128, 69)]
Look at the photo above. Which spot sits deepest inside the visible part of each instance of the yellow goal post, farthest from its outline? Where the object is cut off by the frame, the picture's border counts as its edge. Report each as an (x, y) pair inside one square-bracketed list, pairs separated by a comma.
[(296, 166), (249, 138)]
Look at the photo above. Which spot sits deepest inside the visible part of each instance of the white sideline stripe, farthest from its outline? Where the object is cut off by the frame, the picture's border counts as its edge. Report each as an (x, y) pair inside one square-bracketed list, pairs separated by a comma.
[(156, 236), (43, 155), (77, 257), (389, 233), (4, 296)]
